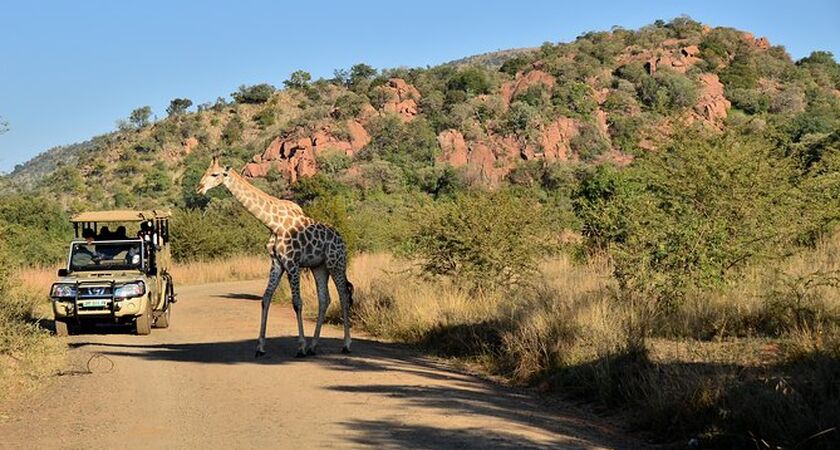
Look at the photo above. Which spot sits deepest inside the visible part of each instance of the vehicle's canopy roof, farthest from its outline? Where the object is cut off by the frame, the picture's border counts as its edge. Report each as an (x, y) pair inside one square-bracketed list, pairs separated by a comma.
[(120, 216)]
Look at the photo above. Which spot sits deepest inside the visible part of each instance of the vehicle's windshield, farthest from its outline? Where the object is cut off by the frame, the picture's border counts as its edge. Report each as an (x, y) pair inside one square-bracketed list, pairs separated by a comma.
[(106, 255)]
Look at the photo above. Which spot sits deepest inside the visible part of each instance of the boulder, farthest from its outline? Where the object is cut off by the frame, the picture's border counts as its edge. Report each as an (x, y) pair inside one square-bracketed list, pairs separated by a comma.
[(712, 106), (403, 99), (359, 137), (272, 152), (556, 138), (454, 149), (255, 170)]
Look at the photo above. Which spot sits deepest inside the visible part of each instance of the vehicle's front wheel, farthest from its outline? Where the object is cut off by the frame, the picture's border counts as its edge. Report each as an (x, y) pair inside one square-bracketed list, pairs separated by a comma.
[(143, 323)]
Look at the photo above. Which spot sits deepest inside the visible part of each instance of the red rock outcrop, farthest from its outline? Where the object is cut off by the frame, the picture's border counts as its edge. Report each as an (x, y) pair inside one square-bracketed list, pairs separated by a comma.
[(256, 169), (762, 43), (359, 137), (189, 144), (454, 149), (556, 137), (403, 99), (712, 106), (294, 155), (523, 81)]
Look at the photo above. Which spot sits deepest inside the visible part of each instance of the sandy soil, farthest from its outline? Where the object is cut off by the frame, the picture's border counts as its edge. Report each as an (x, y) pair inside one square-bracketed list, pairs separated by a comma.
[(197, 384)]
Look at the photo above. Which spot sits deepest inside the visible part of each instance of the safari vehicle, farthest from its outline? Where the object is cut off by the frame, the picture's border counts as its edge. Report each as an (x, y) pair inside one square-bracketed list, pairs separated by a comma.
[(118, 278)]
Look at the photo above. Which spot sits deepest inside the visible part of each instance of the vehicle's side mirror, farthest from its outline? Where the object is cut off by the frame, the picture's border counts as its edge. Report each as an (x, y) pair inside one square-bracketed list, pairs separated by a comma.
[(62, 272)]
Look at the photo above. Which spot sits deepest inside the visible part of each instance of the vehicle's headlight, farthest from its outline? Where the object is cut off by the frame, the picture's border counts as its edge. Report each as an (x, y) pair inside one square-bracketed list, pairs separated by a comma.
[(130, 290), (63, 290)]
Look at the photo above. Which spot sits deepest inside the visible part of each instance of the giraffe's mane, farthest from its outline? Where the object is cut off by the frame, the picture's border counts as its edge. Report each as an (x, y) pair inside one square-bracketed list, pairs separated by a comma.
[(288, 203)]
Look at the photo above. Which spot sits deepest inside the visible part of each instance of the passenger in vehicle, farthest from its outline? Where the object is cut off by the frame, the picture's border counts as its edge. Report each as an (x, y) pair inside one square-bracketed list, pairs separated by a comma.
[(121, 233), (105, 234)]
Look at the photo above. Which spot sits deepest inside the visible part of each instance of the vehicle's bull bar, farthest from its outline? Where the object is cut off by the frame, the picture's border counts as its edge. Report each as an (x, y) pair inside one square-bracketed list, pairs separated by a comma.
[(112, 307)]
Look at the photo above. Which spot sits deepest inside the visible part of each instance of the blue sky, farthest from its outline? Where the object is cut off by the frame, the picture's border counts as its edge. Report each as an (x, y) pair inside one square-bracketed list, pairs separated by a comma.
[(71, 69)]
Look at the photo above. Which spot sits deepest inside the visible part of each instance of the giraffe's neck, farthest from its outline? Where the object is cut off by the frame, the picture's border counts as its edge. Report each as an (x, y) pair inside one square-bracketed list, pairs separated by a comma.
[(263, 206)]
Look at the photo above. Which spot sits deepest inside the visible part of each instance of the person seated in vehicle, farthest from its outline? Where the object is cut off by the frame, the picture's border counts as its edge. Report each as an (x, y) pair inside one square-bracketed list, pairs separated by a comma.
[(121, 234), (105, 234), (85, 253)]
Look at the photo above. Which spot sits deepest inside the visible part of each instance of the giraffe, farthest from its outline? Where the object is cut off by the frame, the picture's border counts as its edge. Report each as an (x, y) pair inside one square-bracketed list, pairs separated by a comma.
[(296, 241)]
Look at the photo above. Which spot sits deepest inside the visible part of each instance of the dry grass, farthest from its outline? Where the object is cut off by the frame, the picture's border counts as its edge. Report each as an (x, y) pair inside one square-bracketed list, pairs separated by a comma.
[(235, 268), (753, 360)]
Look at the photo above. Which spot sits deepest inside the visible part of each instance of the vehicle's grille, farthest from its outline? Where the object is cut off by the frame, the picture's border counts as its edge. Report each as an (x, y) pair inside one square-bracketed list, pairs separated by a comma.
[(95, 292)]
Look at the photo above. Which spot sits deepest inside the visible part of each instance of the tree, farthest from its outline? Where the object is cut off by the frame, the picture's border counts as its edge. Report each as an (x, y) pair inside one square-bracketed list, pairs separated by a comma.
[(178, 106), (360, 72), (299, 79), (140, 116)]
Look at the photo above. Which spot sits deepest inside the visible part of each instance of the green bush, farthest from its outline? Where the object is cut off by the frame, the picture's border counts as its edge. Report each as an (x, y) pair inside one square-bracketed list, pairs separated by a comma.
[(692, 215), (35, 229), (482, 240), (223, 229), (589, 143)]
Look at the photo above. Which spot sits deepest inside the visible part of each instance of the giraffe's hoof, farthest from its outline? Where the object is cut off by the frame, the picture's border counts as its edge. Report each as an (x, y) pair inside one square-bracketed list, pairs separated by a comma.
[(345, 350), (300, 354), (260, 354), (311, 352)]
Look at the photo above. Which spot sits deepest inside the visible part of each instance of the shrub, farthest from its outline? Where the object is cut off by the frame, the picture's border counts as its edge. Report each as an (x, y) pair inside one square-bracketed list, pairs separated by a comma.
[(471, 81), (589, 143), (36, 230), (232, 132), (574, 99), (482, 240), (258, 93), (265, 118), (223, 229), (691, 215)]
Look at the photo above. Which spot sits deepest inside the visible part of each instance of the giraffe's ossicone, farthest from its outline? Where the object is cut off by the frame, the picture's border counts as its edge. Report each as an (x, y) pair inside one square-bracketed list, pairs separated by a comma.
[(296, 241)]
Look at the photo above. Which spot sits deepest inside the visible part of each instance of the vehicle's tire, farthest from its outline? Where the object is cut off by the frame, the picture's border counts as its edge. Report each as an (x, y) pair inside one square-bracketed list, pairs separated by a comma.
[(143, 324), (61, 328)]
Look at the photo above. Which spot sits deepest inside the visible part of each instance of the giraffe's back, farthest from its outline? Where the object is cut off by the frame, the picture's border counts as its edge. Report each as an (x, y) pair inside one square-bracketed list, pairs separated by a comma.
[(312, 244)]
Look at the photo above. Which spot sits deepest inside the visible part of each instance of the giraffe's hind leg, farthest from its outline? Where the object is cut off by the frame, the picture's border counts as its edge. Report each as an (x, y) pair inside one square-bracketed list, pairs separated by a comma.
[(322, 278), (297, 304), (273, 281), (345, 295)]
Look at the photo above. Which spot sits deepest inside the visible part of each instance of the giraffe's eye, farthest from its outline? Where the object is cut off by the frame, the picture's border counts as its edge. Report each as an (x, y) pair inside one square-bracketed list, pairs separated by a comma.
[(216, 174)]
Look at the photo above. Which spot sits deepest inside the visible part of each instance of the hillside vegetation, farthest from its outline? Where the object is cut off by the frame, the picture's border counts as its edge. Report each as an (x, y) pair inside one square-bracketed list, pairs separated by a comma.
[(632, 218)]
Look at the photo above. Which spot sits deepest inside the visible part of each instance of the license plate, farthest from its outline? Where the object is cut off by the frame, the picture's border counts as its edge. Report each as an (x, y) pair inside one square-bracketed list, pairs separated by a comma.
[(92, 303)]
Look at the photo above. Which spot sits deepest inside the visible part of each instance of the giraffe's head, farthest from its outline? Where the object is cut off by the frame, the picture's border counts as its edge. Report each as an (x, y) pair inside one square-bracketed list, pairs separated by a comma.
[(213, 176)]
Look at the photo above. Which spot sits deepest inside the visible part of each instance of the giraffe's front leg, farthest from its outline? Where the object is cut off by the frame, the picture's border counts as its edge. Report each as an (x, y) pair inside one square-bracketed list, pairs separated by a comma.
[(297, 304), (273, 281)]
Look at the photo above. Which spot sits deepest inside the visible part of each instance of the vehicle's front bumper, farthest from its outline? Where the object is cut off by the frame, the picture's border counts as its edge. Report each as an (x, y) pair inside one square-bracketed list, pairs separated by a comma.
[(100, 308)]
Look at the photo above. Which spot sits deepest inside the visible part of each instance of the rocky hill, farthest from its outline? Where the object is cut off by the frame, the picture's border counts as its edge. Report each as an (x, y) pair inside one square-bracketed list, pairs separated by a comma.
[(483, 121)]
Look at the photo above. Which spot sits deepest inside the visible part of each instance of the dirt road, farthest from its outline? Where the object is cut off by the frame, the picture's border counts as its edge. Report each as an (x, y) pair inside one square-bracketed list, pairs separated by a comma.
[(198, 385)]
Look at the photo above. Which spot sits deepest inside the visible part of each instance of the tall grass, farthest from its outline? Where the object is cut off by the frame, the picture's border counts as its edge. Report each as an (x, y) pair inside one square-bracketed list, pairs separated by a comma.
[(754, 361)]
